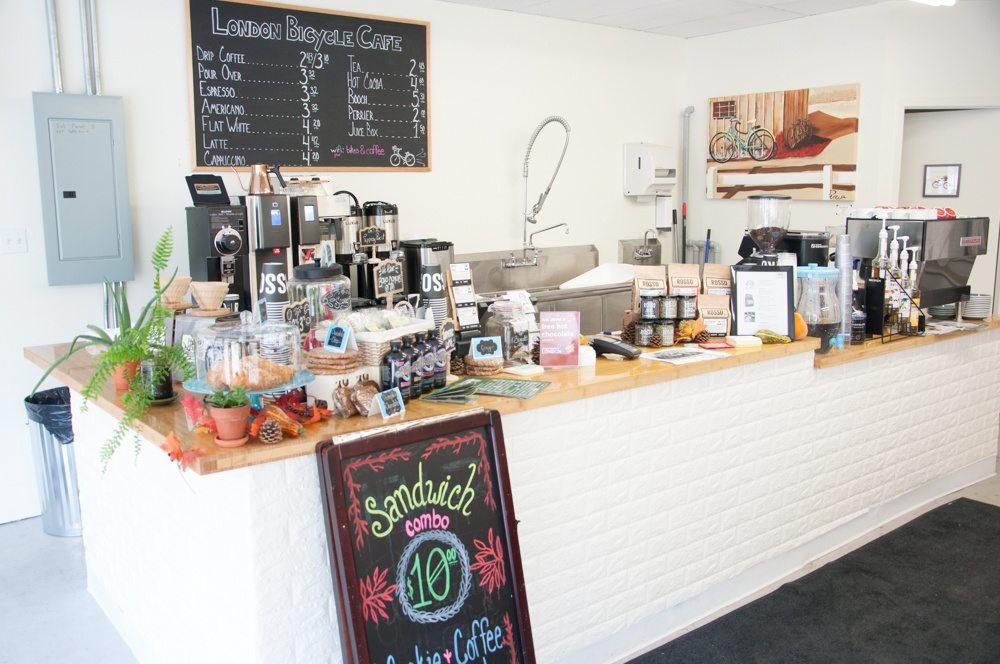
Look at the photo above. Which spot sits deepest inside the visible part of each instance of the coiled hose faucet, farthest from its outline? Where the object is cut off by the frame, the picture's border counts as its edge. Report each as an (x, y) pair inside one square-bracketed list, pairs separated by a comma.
[(537, 207)]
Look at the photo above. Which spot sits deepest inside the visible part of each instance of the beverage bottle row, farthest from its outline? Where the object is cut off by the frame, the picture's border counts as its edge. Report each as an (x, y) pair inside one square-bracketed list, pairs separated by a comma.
[(415, 365)]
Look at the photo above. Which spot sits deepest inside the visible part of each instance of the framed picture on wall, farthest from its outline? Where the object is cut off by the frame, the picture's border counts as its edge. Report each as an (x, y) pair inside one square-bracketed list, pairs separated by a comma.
[(941, 180)]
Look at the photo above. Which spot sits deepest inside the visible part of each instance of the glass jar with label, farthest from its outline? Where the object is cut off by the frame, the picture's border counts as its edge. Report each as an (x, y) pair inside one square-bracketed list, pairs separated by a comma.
[(512, 326), (687, 307), (326, 289), (643, 333), (649, 307), (668, 307)]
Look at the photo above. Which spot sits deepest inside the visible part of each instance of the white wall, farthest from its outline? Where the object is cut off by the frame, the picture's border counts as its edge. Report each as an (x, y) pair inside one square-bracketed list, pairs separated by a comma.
[(957, 137), (493, 77), (903, 55)]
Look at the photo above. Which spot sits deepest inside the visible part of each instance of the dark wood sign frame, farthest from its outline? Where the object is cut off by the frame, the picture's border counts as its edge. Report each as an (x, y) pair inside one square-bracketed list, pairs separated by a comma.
[(381, 452)]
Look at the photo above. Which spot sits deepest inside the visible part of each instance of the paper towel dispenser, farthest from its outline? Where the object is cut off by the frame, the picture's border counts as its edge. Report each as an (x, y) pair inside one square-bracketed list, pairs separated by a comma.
[(649, 170)]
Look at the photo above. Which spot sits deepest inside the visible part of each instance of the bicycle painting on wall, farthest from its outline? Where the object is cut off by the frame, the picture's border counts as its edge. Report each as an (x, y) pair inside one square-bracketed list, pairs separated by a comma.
[(802, 143)]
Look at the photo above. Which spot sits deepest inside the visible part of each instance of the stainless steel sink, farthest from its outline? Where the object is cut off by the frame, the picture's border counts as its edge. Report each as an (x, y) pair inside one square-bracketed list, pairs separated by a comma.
[(600, 307)]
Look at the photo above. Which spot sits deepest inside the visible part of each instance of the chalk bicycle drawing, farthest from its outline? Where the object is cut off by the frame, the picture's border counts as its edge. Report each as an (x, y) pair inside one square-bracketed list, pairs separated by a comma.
[(758, 143), (800, 132), (398, 159)]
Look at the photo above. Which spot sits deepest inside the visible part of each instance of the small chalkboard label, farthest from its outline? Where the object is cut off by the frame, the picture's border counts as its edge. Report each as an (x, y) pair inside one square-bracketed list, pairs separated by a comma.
[(390, 402), (446, 334), (423, 544), (298, 314), (388, 278), (372, 236), (338, 299), (337, 337), (487, 348)]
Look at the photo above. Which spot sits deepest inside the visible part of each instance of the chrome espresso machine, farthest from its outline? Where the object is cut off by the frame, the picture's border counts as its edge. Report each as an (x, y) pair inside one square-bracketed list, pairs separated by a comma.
[(946, 250)]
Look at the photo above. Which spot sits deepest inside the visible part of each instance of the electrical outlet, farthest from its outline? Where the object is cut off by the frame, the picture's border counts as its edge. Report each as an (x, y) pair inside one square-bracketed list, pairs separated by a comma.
[(13, 241)]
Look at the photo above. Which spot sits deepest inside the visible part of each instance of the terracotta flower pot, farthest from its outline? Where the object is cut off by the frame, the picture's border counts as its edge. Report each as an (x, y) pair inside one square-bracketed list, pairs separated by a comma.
[(123, 373), (230, 425)]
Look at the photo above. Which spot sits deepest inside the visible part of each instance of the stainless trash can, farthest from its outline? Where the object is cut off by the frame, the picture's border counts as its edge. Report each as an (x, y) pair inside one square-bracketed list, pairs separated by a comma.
[(51, 424)]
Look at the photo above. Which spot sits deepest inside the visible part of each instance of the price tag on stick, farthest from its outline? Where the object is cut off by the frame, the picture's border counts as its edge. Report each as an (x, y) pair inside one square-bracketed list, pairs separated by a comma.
[(388, 280)]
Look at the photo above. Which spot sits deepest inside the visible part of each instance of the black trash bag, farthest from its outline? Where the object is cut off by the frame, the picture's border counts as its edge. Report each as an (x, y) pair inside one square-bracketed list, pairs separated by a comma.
[(51, 409)]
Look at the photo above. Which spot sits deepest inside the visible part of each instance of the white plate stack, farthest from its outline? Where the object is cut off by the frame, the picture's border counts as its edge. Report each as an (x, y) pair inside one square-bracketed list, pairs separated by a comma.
[(978, 306)]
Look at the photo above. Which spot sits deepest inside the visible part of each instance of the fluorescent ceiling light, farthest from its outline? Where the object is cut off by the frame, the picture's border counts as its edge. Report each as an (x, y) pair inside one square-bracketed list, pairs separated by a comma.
[(936, 3)]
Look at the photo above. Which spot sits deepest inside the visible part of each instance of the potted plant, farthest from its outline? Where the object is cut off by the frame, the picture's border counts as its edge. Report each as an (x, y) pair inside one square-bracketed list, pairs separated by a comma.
[(230, 409), (136, 339)]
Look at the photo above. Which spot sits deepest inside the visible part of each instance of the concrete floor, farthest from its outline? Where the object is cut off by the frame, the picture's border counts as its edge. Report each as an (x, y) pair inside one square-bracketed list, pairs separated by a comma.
[(47, 615)]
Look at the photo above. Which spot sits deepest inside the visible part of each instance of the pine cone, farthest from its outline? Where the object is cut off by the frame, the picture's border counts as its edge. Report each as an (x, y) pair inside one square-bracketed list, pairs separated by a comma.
[(270, 432), (703, 337), (628, 333), (655, 341), (457, 367), (536, 352)]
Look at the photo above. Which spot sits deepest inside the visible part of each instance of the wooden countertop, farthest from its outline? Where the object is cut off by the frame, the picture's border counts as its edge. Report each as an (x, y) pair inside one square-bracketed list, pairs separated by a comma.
[(567, 385), (874, 348)]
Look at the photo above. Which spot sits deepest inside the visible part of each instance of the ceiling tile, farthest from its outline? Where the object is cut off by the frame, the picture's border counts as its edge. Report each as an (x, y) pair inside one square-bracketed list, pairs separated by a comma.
[(678, 18)]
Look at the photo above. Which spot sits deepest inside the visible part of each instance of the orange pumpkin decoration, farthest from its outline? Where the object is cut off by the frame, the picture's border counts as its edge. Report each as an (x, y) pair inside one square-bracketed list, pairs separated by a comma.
[(801, 329)]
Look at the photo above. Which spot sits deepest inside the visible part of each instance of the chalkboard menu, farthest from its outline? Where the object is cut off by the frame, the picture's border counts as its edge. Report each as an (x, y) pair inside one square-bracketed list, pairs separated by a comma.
[(307, 89), (423, 544)]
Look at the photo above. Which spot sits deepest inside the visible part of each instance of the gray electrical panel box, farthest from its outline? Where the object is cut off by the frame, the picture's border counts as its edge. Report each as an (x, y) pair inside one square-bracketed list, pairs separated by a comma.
[(83, 178)]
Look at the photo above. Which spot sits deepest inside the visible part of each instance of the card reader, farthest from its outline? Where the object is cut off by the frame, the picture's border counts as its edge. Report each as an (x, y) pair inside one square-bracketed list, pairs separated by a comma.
[(613, 346)]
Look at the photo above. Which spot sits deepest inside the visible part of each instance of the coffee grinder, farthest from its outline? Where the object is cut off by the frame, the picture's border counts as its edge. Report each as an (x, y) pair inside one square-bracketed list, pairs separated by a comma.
[(218, 244)]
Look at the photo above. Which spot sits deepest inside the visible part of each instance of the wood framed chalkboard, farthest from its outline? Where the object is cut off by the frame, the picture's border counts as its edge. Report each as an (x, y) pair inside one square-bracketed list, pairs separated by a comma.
[(306, 89), (423, 544)]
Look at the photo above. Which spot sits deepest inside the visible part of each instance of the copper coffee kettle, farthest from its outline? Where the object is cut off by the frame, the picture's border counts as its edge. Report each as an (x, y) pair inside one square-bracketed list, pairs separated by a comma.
[(260, 181)]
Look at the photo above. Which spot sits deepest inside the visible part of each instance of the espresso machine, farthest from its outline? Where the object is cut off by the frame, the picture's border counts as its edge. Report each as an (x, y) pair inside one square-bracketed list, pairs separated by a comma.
[(313, 210), (270, 231), (946, 249)]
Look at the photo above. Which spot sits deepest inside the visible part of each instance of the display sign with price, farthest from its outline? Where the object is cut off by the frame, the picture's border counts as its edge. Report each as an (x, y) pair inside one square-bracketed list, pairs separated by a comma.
[(423, 544), (306, 89)]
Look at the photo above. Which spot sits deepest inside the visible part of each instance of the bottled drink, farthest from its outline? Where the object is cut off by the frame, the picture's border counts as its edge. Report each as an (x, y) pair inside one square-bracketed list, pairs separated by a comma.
[(392, 367), (415, 380), (430, 358), (418, 365), (440, 361)]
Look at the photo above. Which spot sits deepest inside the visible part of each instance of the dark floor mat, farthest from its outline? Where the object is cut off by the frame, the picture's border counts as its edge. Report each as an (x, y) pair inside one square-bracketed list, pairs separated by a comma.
[(928, 591)]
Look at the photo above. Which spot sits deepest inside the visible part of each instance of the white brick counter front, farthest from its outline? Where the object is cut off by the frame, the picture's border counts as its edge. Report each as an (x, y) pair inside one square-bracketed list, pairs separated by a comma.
[(640, 511)]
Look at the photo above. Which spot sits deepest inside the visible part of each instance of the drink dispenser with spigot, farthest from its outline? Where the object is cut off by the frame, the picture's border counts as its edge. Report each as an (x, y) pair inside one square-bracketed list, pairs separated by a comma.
[(818, 304)]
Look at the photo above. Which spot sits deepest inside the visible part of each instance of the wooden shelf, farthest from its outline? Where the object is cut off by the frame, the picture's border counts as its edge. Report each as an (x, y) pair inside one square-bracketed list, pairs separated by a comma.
[(567, 385), (874, 348)]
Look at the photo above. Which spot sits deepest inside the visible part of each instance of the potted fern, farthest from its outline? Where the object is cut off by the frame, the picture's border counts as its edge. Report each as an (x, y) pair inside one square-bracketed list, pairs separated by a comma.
[(136, 339), (230, 409)]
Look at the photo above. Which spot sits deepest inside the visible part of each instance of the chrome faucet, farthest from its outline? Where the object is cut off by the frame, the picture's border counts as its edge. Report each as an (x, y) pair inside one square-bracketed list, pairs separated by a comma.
[(644, 252), (537, 207)]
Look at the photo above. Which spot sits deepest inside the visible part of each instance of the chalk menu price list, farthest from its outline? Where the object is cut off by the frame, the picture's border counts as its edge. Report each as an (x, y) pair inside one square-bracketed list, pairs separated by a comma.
[(306, 89), (423, 545)]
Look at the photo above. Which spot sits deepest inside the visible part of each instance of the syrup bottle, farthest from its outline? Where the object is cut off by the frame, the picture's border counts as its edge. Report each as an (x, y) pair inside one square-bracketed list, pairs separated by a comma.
[(392, 367)]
